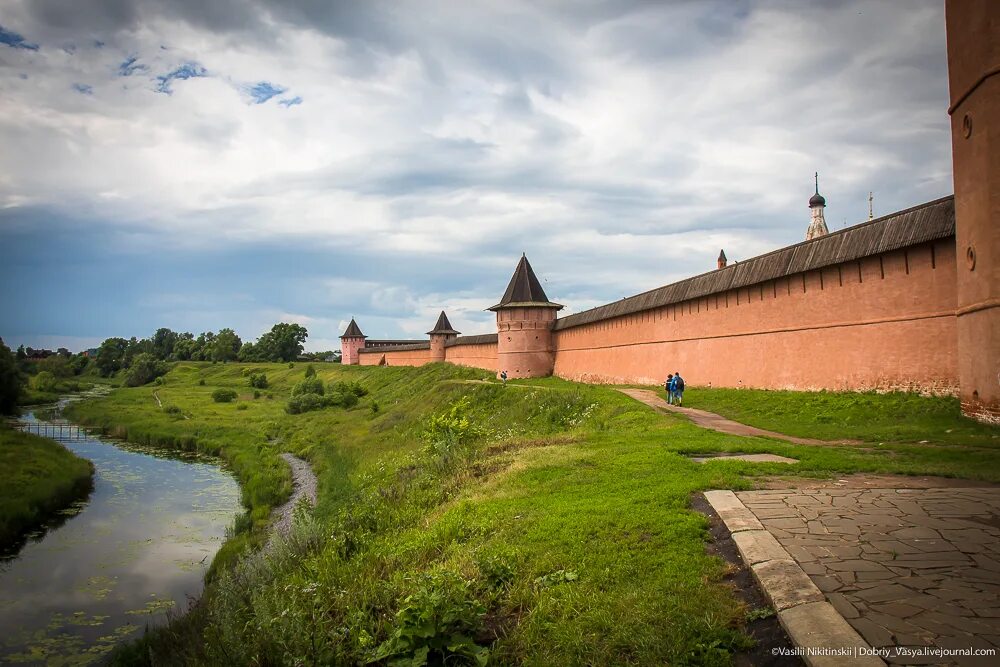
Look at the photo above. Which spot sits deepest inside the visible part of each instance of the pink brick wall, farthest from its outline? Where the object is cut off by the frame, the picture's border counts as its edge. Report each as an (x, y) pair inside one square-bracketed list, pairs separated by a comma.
[(885, 322)]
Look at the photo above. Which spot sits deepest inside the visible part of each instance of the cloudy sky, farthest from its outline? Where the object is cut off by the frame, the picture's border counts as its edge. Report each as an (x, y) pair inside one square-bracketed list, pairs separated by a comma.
[(201, 164)]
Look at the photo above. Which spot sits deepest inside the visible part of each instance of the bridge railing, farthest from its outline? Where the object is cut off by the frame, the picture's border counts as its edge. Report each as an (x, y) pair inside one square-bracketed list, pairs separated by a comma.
[(50, 430)]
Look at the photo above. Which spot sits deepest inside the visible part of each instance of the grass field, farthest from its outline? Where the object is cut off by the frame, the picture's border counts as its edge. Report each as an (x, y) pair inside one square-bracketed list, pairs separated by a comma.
[(546, 524), (871, 417), (39, 477)]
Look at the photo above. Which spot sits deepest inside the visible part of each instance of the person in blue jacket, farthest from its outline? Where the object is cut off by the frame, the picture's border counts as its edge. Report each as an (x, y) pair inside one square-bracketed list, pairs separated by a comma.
[(678, 389), (670, 391)]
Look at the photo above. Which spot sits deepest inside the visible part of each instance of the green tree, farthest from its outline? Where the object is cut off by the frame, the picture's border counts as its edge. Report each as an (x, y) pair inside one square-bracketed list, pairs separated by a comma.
[(111, 356), (10, 380), (57, 364), (284, 342), (163, 343), (247, 352), (144, 369), (21, 354), (45, 381), (79, 363), (185, 348), (226, 346)]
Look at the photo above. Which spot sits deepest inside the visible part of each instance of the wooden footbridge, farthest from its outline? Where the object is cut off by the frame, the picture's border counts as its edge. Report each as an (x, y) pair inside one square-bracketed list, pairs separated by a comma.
[(50, 430)]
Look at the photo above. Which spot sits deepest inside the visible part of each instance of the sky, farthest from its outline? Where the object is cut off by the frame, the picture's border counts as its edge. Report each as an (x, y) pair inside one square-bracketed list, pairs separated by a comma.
[(236, 163)]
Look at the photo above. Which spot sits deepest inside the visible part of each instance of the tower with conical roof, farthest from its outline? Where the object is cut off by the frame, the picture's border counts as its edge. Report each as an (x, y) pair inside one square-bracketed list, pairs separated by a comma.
[(525, 318), (817, 225), (440, 335), (722, 261), (351, 341)]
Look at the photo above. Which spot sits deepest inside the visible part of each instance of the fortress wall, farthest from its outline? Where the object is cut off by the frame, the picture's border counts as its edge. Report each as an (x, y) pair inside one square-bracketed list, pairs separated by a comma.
[(884, 322), (396, 357), (477, 356)]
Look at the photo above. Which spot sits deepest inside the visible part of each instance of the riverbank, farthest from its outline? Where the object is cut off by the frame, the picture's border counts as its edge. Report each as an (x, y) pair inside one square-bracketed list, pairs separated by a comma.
[(40, 478), (551, 524)]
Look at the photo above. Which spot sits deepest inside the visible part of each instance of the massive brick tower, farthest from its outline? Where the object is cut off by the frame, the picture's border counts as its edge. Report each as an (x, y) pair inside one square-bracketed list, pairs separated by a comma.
[(525, 317), (440, 335), (817, 223), (351, 341), (974, 80)]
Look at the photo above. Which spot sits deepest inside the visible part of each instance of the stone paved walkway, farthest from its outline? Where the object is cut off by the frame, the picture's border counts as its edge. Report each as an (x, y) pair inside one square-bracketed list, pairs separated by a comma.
[(905, 567), (719, 423)]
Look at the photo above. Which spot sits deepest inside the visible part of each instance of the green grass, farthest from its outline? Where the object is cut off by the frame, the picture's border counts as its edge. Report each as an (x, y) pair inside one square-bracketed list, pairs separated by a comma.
[(548, 521), (40, 477), (870, 417)]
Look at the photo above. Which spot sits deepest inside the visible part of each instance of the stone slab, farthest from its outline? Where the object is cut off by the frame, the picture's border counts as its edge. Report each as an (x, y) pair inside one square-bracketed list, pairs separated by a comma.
[(785, 584), (750, 458), (827, 640), (757, 546), (732, 511)]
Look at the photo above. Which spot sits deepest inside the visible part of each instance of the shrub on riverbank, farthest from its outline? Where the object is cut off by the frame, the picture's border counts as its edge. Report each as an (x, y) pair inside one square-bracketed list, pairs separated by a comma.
[(40, 477)]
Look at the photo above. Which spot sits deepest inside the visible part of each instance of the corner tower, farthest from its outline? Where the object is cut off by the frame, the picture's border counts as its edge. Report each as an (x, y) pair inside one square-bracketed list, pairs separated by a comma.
[(525, 317), (817, 224), (973, 28), (440, 335), (351, 341)]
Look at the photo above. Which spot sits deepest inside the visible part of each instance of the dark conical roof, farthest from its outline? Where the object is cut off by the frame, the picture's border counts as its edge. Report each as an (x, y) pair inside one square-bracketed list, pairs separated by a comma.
[(353, 331), (524, 290), (722, 255), (443, 326)]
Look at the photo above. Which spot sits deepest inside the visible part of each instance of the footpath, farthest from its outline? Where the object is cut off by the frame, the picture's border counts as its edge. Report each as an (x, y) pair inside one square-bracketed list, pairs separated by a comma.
[(868, 576), (715, 422)]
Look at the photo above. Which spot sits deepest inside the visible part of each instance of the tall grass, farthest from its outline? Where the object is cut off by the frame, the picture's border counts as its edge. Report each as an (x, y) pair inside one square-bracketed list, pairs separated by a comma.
[(544, 522), (40, 476)]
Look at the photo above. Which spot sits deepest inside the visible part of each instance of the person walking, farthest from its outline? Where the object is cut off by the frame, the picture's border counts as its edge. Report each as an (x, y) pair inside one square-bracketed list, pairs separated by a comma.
[(678, 389), (503, 376), (670, 391)]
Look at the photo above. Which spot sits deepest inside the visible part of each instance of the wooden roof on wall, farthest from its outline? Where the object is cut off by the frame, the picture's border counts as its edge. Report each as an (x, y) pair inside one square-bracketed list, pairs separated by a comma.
[(920, 224)]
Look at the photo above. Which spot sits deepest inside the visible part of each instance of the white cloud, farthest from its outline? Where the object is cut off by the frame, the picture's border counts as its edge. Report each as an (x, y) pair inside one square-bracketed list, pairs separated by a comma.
[(623, 145)]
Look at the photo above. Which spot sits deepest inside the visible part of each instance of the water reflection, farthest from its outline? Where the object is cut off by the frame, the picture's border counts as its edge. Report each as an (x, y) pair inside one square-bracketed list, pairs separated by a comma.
[(137, 547)]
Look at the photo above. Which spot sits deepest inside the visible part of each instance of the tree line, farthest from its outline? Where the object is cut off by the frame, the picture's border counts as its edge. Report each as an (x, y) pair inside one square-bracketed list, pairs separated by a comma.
[(141, 360)]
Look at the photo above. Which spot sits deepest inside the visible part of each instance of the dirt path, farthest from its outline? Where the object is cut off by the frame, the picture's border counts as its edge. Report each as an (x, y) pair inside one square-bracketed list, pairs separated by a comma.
[(304, 486), (719, 423)]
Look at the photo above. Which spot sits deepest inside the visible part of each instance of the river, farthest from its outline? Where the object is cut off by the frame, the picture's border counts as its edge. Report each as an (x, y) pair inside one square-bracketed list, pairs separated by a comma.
[(135, 550)]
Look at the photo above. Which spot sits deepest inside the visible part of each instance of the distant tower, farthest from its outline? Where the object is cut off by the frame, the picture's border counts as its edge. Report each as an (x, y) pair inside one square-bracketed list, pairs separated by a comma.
[(351, 341), (722, 259), (525, 317), (871, 212), (440, 335), (817, 226)]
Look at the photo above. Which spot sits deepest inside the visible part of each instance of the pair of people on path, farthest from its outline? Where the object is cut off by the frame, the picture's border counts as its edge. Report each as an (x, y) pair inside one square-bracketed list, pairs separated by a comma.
[(675, 389)]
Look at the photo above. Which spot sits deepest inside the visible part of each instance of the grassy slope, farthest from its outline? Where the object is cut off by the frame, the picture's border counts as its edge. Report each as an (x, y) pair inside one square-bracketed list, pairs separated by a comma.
[(870, 417), (561, 477), (39, 477)]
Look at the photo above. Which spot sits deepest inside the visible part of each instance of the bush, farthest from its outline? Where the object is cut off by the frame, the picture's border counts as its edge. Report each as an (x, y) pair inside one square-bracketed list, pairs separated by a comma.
[(44, 381), (342, 399), (201, 382), (258, 380), (348, 388), (309, 385), (144, 369), (242, 406), (171, 409), (436, 625), (305, 403), (224, 395), (310, 371), (256, 393)]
